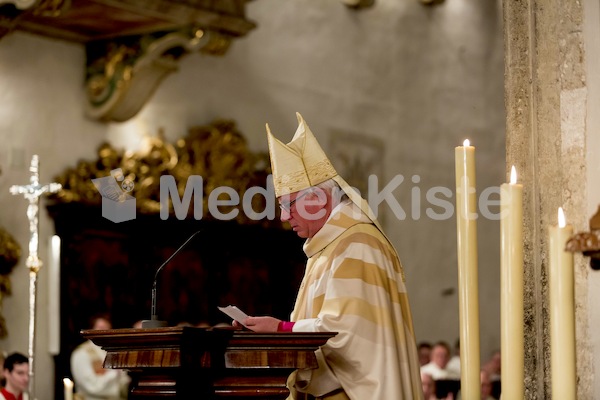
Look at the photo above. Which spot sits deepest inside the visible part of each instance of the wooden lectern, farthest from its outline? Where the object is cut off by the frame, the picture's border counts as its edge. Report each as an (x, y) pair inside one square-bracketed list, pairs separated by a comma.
[(207, 363)]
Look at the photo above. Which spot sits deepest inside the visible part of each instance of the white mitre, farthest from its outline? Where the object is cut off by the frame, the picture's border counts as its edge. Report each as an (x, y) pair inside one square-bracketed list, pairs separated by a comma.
[(302, 163)]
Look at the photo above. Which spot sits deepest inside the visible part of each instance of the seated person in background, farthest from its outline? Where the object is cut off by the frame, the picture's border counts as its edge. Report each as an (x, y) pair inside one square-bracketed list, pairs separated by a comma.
[(486, 386), (92, 381), (429, 389), (428, 386), (453, 366), (16, 373), (494, 366), (494, 369), (424, 350), (440, 355)]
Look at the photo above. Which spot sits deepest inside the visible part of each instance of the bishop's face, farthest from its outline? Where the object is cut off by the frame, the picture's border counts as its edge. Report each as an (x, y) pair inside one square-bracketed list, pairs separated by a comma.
[(305, 211)]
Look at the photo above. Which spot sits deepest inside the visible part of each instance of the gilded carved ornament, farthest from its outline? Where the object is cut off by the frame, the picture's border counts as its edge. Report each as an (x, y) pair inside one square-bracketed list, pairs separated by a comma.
[(131, 45), (123, 74), (126, 63), (588, 243), (51, 8), (10, 253), (9, 17), (20, 4), (431, 2), (217, 152), (358, 4)]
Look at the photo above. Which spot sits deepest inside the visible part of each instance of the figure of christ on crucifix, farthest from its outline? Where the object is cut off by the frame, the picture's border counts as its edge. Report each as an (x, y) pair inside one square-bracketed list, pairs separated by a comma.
[(32, 193)]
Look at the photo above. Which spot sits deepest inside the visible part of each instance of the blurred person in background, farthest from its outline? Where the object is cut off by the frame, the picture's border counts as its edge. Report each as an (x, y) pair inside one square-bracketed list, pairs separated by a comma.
[(16, 373)]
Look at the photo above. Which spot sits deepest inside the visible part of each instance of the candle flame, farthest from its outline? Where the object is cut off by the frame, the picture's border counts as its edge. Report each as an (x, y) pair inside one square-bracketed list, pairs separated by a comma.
[(67, 382), (513, 175), (466, 143), (562, 221)]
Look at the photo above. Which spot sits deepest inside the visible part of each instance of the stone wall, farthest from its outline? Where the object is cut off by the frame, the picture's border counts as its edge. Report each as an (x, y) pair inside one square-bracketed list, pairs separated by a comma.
[(547, 102)]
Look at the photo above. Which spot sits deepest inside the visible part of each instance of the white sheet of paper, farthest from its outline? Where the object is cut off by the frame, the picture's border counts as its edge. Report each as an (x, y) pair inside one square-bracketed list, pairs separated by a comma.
[(235, 313)]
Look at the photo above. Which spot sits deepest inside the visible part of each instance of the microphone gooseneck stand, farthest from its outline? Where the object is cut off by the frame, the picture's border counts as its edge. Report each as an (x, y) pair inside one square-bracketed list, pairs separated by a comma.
[(154, 322)]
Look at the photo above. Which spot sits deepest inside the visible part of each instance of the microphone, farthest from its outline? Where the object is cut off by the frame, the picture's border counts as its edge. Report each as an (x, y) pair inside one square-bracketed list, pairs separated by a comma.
[(154, 322)]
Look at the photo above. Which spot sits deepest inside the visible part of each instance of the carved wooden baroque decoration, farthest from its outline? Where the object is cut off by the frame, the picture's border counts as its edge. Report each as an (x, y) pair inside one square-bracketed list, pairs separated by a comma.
[(357, 4), (588, 243), (10, 253), (20, 4), (122, 75), (431, 2), (40, 6), (217, 152), (132, 45)]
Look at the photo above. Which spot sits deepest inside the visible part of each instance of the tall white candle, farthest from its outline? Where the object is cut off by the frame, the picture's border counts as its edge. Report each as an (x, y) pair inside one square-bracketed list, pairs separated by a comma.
[(54, 296), (68, 384), (562, 312), (511, 285), (468, 292)]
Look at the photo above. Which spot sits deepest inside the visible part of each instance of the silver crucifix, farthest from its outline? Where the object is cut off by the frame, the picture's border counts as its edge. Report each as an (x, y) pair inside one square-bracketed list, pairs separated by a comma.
[(32, 192)]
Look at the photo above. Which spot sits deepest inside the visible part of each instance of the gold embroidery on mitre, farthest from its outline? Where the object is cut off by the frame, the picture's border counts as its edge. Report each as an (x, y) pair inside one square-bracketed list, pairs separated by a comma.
[(290, 183), (289, 175), (320, 172), (300, 164)]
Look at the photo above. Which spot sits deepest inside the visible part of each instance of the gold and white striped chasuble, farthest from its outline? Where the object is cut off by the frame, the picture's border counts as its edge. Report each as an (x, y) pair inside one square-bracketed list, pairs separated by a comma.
[(354, 285)]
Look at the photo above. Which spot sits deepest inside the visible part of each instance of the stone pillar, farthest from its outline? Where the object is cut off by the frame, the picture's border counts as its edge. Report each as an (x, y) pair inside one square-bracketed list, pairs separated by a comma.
[(545, 98)]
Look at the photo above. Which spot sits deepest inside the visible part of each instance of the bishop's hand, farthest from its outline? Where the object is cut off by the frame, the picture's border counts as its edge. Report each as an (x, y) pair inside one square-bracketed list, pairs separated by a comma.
[(260, 324)]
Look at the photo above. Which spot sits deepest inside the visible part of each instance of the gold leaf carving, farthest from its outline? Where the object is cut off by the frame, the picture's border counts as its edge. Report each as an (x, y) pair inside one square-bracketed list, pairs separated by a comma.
[(218, 152)]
